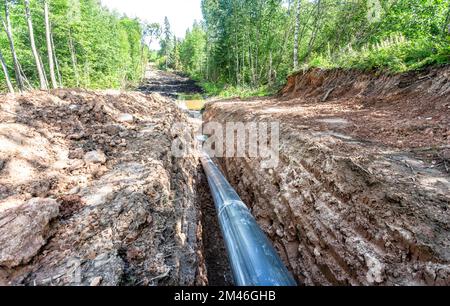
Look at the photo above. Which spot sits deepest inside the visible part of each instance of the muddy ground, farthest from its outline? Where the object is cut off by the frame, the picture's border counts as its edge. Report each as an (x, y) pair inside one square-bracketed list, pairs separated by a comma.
[(361, 193), (91, 195), (168, 84)]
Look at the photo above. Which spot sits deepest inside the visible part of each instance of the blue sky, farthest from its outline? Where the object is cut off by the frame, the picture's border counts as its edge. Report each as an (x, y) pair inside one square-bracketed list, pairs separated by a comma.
[(181, 13)]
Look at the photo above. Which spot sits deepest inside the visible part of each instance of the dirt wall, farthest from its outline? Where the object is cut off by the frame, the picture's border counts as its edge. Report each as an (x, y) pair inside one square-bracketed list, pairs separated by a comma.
[(91, 195), (361, 193)]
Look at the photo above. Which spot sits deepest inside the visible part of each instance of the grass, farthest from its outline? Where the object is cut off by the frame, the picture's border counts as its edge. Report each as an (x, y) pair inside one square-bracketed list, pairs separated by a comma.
[(229, 91), (395, 54)]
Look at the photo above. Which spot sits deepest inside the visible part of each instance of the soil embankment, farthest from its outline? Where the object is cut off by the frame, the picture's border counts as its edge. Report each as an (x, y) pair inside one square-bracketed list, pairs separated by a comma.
[(90, 193), (362, 190)]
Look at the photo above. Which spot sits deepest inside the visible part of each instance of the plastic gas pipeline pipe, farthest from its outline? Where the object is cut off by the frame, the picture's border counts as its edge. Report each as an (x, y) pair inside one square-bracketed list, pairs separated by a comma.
[(253, 260)]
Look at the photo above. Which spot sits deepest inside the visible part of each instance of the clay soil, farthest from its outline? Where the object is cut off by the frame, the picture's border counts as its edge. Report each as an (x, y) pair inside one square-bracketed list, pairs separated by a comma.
[(90, 193), (361, 194)]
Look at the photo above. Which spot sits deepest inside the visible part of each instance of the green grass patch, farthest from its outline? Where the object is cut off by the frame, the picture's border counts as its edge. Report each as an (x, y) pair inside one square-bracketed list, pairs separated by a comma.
[(395, 54), (229, 91)]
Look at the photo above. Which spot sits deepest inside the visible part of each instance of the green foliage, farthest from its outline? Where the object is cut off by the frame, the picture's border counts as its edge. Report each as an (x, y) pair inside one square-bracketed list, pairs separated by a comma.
[(167, 51), (192, 51), (319, 61), (151, 32), (394, 54), (107, 47), (229, 91), (153, 56), (250, 44)]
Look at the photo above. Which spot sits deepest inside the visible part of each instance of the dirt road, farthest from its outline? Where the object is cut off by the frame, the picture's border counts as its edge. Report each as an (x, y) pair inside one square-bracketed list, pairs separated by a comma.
[(168, 84)]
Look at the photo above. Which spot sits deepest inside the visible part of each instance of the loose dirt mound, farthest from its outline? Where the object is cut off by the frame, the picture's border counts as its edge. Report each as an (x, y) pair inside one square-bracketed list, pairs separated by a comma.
[(404, 111), (90, 193), (361, 193)]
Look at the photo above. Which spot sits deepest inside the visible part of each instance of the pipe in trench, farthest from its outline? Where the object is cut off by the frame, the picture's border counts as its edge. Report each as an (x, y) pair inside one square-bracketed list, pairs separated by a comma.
[(253, 260)]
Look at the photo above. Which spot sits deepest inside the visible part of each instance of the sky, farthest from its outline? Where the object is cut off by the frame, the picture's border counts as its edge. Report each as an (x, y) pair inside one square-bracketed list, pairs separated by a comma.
[(181, 13)]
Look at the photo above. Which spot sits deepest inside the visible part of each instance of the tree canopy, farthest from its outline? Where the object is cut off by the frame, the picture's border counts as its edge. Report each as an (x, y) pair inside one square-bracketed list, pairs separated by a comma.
[(259, 42), (94, 47), (242, 43)]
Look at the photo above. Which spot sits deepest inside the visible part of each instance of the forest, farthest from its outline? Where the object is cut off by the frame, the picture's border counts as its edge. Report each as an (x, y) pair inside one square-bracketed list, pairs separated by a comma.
[(247, 46), (68, 43), (255, 44)]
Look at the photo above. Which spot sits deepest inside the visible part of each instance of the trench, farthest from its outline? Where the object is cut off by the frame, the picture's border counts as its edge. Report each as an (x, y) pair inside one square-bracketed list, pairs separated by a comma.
[(214, 252), (188, 97), (348, 210), (339, 210)]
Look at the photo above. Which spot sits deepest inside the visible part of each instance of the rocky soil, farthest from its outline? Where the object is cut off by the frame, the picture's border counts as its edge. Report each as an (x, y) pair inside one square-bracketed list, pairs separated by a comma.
[(91, 195), (362, 191)]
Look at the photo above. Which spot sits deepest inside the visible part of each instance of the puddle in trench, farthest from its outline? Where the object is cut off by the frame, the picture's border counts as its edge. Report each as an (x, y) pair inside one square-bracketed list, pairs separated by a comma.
[(189, 102)]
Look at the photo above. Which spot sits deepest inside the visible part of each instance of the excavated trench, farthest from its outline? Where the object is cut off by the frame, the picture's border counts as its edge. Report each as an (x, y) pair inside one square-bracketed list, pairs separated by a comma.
[(213, 251), (360, 195), (90, 193)]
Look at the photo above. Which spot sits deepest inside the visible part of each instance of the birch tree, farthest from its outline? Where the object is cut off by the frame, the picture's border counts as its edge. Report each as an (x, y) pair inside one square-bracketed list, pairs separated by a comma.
[(48, 37), (9, 33), (6, 73), (58, 69), (37, 58)]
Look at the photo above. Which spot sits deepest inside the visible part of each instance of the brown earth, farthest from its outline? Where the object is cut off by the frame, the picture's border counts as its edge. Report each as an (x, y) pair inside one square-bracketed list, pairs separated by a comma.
[(361, 193), (90, 193)]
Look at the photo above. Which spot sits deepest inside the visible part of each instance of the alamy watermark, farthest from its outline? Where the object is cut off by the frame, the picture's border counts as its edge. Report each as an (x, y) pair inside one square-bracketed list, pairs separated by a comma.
[(255, 140)]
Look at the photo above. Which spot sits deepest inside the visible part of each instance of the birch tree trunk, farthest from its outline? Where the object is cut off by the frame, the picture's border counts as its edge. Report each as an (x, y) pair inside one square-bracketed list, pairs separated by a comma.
[(296, 34), (8, 29), (58, 70), (74, 59), (5, 71), (49, 45), (270, 73), (40, 70)]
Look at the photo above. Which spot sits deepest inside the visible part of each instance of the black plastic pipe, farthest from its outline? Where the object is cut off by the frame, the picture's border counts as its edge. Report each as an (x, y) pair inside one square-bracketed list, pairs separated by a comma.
[(253, 260)]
